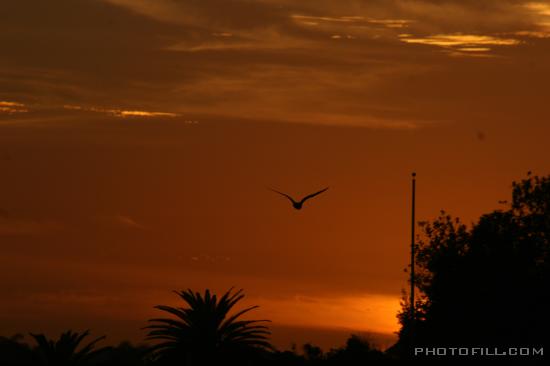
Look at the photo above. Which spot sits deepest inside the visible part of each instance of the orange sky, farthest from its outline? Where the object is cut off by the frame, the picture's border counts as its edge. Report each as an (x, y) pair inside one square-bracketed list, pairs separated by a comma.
[(138, 139)]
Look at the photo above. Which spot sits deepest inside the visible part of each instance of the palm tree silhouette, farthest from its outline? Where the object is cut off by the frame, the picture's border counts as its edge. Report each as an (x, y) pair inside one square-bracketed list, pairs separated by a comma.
[(63, 352), (203, 331)]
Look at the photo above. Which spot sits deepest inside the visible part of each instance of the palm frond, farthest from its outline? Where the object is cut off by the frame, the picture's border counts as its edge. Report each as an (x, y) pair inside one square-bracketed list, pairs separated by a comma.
[(64, 350), (204, 328)]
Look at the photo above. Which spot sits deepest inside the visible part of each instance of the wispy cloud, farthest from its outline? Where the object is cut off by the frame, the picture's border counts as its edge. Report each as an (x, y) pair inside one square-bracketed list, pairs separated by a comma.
[(310, 19), (349, 20), (127, 221), (451, 40), (73, 298), (462, 44), (541, 14), (365, 121), (17, 227), (12, 107), (121, 112), (533, 33), (392, 23), (539, 8), (206, 258)]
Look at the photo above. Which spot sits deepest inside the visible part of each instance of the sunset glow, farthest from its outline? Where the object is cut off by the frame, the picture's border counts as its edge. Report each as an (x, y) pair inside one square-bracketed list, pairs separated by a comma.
[(373, 313), (140, 139)]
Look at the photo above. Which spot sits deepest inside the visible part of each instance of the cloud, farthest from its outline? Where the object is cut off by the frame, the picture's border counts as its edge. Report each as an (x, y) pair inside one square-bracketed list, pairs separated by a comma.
[(461, 44), (120, 112), (12, 107), (392, 23), (364, 121), (206, 258), (219, 15), (114, 222), (260, 41), (349, 20), (127, 221), (533, 34), (539, 8), (541, 14), (470, 40), (24, 227), (320, 62), (72, 298)]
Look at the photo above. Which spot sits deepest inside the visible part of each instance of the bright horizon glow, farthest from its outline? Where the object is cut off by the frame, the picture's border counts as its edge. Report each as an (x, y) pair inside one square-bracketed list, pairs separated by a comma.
[(369, 312)]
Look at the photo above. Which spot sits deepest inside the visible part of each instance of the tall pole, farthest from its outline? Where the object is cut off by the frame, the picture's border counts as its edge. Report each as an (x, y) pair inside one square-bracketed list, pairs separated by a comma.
[(412, 243)]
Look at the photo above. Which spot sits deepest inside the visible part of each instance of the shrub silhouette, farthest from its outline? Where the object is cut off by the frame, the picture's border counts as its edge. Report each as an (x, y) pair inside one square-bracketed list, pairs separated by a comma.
[(63, 352), (124, 354), (204, 332), (358, 351), (312, 353), (13, 352)]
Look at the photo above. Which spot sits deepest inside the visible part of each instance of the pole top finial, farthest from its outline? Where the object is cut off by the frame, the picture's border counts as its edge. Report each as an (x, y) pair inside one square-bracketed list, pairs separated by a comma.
[(414, 174)]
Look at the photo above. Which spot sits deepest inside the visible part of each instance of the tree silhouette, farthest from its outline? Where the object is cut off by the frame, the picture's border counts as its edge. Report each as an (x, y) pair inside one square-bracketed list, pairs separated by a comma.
[(14, 352), (358, 351), (204, 332), (63, 352), (488, 284), (312, 353)]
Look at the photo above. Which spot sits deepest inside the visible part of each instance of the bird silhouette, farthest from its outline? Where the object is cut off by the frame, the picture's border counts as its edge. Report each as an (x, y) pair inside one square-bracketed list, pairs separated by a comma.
[(298, 204)]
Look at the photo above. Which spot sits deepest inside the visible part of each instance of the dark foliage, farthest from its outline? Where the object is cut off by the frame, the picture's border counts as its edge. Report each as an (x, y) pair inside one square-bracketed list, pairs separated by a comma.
[(13, 352), (357, 352), (487, 285), (203, 331), (64, 351), (125, 354)]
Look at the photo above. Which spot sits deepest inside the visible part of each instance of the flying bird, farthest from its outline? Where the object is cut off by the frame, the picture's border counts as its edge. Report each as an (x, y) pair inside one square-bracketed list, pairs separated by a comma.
[(298, 204)]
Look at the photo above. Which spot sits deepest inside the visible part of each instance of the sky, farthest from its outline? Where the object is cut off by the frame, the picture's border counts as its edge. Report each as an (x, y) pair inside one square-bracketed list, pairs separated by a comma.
[(139, 140)]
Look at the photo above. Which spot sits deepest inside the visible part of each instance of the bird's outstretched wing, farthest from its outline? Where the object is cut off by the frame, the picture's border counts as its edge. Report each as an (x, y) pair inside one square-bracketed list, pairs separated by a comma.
[(313, 195), (284, 194)]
